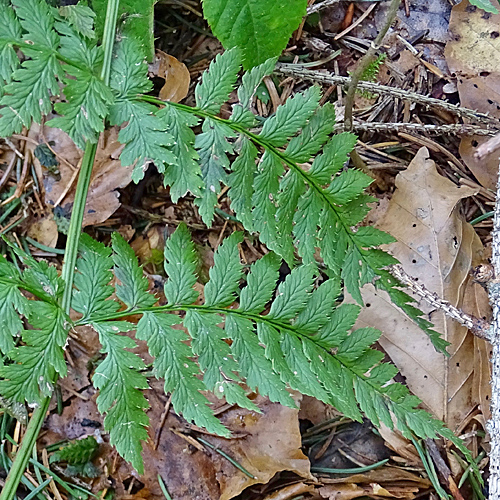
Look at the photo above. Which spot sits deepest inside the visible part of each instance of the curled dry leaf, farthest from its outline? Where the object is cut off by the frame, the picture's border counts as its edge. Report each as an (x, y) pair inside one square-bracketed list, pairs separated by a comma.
[(473, 54), (175, 74), (436, 246), (108, 175)]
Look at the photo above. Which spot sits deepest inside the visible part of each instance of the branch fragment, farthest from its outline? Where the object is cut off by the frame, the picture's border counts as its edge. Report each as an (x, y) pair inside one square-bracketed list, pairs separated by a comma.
[(479, 327)]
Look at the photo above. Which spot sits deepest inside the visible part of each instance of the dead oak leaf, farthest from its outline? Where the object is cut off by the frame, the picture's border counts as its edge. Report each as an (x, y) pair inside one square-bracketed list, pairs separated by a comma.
[(436, 246)]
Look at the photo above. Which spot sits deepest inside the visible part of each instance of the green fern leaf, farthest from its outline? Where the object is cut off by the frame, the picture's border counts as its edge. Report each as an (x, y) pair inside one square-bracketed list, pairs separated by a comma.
[(291, 117), (12, 304), (81, 18), (334, 332), (133, 291), (10, 32), (225, 274), (119, 381), (241, 180), (319, 308), (246, 91), (31, 374), (76, 452), (172, 363), (293, 294), (185, 174), (28, 96), (356, 344), (145, 136), (214, 355), (92, 279), (38, 22), (333, 157), (218, 81), (180, 266), (87, 98), (38, 277), (261, 282), (313, 135), (212, 147), (254, 366)]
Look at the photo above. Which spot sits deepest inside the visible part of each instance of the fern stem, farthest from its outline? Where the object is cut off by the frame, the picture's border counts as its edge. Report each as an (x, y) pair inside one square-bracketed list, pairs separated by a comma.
[(68, 269)]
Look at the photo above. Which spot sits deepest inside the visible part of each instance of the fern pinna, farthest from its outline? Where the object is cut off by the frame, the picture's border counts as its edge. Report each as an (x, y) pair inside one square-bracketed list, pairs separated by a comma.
[(287, 182)]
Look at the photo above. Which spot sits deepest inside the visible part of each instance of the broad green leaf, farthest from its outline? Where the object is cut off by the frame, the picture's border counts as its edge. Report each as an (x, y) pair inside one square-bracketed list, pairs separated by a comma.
[(259, 28)]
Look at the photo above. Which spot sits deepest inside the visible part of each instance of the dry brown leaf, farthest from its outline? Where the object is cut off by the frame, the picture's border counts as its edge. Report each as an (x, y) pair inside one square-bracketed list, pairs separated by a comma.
[(436, 246), (396, 442), (108, 175), (44, 230), (264, 445), (348, 491), (175, 74), (272, 445), (473, 54)]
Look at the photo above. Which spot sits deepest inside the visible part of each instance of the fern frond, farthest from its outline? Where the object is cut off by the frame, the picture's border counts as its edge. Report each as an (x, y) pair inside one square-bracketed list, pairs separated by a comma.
[(299, 199), (76, 452), (120, 382), (31, 374), (27, 96), (10, 33), (303, 343), (145, 136)]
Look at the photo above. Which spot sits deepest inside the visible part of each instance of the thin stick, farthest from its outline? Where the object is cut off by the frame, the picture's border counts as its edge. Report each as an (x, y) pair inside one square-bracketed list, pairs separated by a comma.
[(358, 21), (493, 425), (479, 327), (365, 62), (454, 128), (297, 71)]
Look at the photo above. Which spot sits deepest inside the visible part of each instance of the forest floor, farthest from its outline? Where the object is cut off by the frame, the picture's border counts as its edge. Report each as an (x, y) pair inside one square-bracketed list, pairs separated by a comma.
[(421, 155)]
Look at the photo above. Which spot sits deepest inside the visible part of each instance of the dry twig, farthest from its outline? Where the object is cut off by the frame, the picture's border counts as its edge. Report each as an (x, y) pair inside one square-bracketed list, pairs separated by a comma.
[(477, 326), (297, 71)]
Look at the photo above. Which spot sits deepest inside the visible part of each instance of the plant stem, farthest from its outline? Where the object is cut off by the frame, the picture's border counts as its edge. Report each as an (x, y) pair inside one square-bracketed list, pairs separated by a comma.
[(68, 270), (365, 61)]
